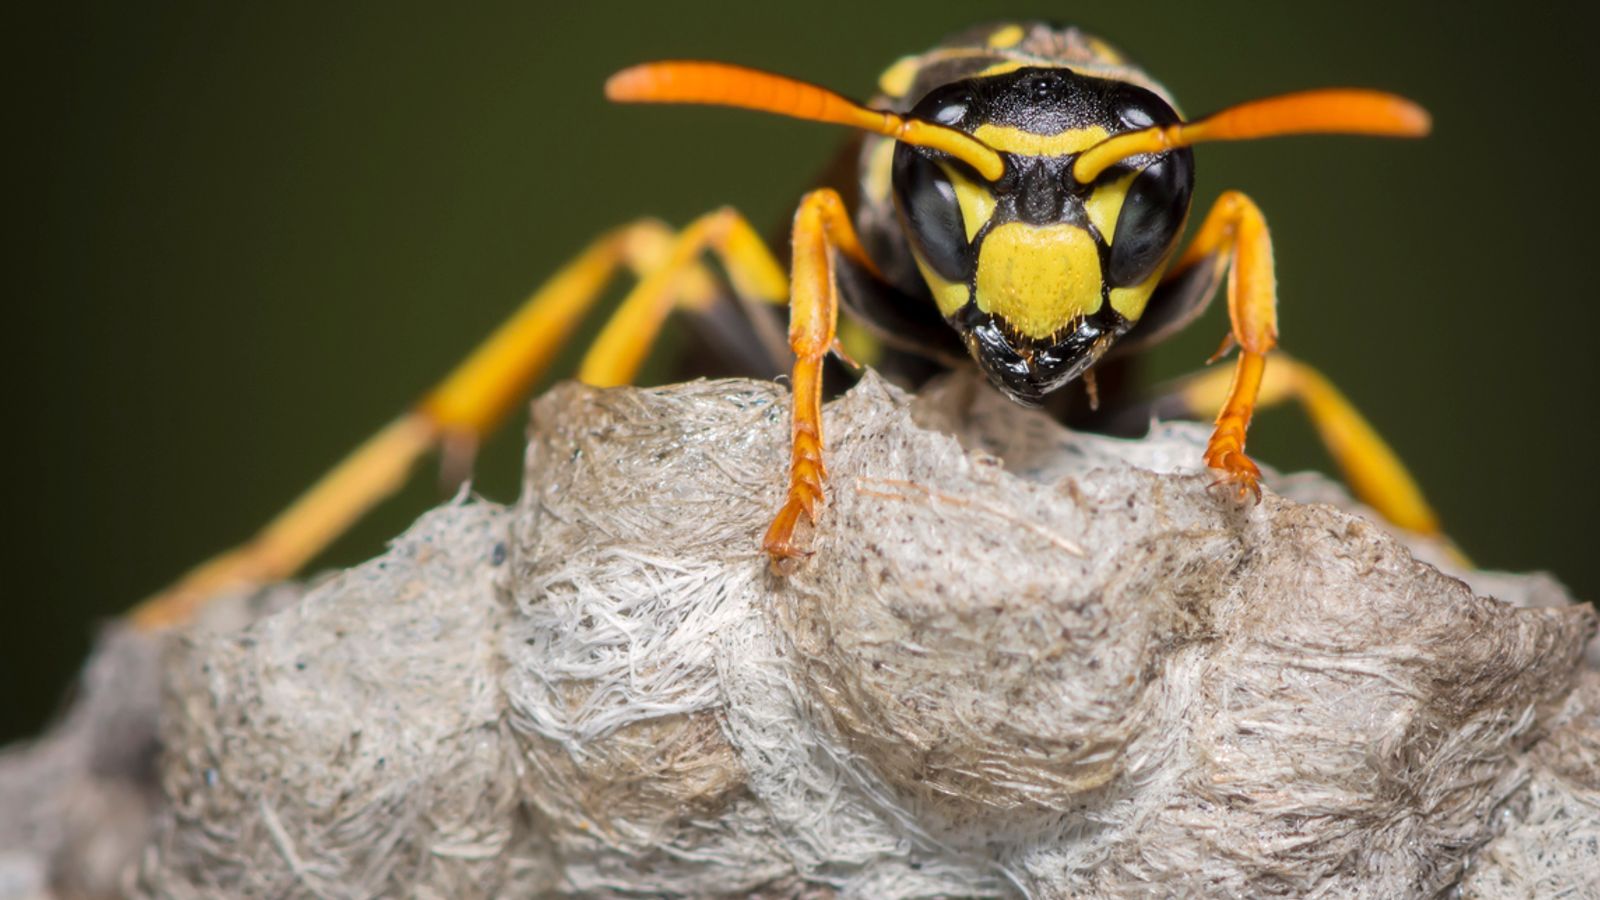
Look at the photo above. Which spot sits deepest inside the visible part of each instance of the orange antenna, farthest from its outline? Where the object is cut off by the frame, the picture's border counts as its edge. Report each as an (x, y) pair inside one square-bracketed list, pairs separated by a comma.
[(1327, 111), (720, 84)]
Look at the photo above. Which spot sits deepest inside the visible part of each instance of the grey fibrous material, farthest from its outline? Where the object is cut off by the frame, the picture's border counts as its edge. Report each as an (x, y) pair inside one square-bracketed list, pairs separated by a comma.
[(1024, 662)]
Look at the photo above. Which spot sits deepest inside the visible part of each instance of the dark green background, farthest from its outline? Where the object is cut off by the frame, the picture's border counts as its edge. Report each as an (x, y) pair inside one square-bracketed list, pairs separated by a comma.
[(243, 238)]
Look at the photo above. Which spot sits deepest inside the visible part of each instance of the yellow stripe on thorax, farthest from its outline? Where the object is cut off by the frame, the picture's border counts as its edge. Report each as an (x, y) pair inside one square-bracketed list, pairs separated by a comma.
[(1004, 68), (1038, 279), (1104, 52), (897, 79), (1007, 36)]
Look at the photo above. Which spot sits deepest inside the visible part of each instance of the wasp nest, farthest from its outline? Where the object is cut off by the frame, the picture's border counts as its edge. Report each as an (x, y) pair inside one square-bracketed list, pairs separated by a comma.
[(1020, 662)]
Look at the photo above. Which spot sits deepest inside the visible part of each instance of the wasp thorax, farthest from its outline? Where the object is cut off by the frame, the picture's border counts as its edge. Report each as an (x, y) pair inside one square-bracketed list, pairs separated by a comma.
[(1040, 273)]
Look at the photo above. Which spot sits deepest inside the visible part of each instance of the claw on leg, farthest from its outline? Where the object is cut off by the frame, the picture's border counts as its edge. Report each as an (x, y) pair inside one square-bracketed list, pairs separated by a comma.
[(780, 544), (1234, 470), (1225, 451), (806, 474)]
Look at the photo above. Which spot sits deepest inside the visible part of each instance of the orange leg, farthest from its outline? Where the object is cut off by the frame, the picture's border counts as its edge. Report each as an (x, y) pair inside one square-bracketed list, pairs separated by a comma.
[(1371, 468), (821, 229), (1236, 233), (472, 400)]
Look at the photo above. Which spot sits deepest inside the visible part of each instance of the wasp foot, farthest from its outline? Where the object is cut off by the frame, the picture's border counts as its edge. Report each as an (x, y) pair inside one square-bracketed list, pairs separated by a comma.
[(1235, 469)]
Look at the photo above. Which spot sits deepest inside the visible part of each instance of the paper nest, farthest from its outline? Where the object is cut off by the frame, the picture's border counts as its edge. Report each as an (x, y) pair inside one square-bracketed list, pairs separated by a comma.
[(1021, 662)]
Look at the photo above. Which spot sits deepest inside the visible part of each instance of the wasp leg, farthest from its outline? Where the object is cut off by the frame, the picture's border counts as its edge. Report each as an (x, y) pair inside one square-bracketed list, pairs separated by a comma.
[(1234, 235), (622, 345), (473, 398), (821, 230), (1370, 466)]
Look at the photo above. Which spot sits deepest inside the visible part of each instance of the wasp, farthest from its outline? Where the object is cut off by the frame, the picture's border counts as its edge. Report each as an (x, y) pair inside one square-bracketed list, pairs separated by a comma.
[(1016, 204)]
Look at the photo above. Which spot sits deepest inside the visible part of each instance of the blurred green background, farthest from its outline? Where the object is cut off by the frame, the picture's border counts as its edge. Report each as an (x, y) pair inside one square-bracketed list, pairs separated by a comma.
[(242, 237)]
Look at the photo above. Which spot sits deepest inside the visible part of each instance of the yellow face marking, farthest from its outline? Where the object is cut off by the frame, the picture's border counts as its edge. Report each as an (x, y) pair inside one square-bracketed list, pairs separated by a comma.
[(1105, 205), (1130, 301), (1037, 279), (1009, 36), (976, 203), (1025, 143), (880, 171), (947, 295), (896, 80)]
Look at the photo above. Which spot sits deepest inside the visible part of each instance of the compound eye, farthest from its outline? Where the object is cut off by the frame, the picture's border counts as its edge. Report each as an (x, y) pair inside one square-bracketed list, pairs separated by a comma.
[(927, 200), (1138, 108), (1152, 215), (948, 106)]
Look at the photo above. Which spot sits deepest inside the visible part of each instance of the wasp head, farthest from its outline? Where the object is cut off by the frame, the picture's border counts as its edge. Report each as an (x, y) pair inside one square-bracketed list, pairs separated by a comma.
[(1038, 272)]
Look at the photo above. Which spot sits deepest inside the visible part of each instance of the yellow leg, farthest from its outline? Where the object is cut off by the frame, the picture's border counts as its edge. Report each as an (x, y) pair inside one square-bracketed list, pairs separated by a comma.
[(374, 470), (1236, 233), (472, 399), (621, 347), (1372, 469), (821, 229)]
